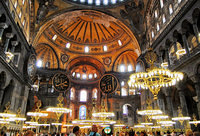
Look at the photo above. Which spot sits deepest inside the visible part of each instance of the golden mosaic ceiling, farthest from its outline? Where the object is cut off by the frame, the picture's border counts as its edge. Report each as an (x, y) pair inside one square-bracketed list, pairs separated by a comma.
[(70, 34)]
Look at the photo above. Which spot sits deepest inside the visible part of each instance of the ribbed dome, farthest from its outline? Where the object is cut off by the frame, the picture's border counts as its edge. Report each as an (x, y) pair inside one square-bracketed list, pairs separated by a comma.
[(46, 57), (125, 62)]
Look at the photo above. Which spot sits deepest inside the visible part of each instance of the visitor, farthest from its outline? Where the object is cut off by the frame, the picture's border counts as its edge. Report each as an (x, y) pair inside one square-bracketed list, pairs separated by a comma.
[(143, 133), (29, 133), (94, 131), (196, 133), (76, 131)]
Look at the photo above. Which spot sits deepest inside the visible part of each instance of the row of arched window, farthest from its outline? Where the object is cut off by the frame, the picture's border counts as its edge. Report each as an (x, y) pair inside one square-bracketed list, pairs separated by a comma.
[(83, 94), (162, 16)]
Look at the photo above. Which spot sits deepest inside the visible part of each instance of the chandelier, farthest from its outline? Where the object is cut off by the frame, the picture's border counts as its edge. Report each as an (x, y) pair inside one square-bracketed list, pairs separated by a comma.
[(6, 114), (59, 110), (195, 121), (154, 78), (149, 111), (180, 117), (103, 113)]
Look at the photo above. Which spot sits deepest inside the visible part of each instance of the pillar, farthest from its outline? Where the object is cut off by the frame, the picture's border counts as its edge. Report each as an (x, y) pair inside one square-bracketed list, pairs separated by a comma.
[(185, 43), (167, 56), (196, 32), (8, 37), (171, 111), (14, 44), (183, 103), (1, 96), (197, 88), (3, 26)]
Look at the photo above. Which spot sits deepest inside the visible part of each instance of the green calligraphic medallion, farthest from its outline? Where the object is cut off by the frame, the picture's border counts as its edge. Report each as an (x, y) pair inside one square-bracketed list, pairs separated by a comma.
[(108, 84), (61, 82)]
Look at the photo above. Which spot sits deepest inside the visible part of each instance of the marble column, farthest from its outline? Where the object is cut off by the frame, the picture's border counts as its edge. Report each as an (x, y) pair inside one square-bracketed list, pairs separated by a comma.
[(8, 37), (185, 43), (14, 44), (170, 108), (1, 96), (196, 32), (3, 26), (197, 88), (183, 103), (167, 56)]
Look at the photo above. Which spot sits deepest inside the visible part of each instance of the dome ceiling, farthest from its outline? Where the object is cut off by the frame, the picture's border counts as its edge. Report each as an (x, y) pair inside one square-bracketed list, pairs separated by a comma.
[(86, 33)]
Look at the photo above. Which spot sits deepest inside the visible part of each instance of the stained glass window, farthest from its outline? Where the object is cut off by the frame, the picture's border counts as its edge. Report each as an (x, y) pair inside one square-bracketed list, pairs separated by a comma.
[(82, 112)]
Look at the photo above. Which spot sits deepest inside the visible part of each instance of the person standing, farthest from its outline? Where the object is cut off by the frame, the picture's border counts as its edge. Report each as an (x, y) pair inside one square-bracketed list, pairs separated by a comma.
[(76, 131), (94, 131)]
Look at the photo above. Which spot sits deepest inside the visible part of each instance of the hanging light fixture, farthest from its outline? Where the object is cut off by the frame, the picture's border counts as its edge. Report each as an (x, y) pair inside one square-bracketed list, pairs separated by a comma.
[(180, 117), (154, 78)]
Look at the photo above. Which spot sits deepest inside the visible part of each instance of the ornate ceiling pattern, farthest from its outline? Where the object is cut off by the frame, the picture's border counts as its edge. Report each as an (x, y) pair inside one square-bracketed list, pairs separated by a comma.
[(85, 33)]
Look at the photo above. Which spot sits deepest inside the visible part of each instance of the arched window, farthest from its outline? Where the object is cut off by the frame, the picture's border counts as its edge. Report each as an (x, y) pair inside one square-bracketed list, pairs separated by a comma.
[(83, 96), (179, 1), (170, 9), (82, 112), (152, 34), (72, 93), (94, 93), (124, 91), (156, 14), (161, 3), (125, 109), (158, 27), (163, 19)]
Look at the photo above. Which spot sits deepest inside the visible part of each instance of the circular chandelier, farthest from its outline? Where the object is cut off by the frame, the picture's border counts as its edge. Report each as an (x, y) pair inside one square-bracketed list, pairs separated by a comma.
[(154, 78), (103, 114), (180, 117), (37, 114), (59, 109), (159, 117), (139, 126), (149, 111), (195, 121), (165, 122)]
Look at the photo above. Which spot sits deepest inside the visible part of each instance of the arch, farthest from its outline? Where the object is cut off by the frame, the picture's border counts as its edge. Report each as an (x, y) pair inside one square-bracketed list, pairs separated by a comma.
[(47, 54), (187, 26), (125, 109), (195, 14), (86, 60), (7, 94), (140, 66), (2, 18), (72, 93), (2, 79), (83, 96), (125, 58), (82, 112), (94, 93)]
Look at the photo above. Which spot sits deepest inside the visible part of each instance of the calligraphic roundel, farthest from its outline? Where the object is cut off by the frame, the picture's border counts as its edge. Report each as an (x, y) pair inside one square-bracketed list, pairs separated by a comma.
[(108, 84), (61, 82)]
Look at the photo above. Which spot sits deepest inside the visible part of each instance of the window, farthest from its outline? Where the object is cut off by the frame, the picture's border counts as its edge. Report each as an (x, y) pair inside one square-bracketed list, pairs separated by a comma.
[(82, 112), (105, 48), (158, 27), (119, 42), (83, 96), (105, 2), (68, 45), (72, 93), (39, 63), (15, 4), (125, 109), (94, 93), (23, 2), (152, 34), (54, 37), (20, 14), (122, 68), (156, 14), (122, 83), (170, 9), (23, 23), (124, 92), (47, 65), (163, 19), (161, 3), (179, 1), (86, 49), (130, 68)]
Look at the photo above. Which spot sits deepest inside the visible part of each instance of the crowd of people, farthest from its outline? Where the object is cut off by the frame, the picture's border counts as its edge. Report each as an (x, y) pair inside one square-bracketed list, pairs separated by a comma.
[(95, 132)]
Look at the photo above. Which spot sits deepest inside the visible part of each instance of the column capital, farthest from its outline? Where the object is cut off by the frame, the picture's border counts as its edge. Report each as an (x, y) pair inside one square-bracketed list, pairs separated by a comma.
[(14, 43), (3, 25), (9, 35)]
